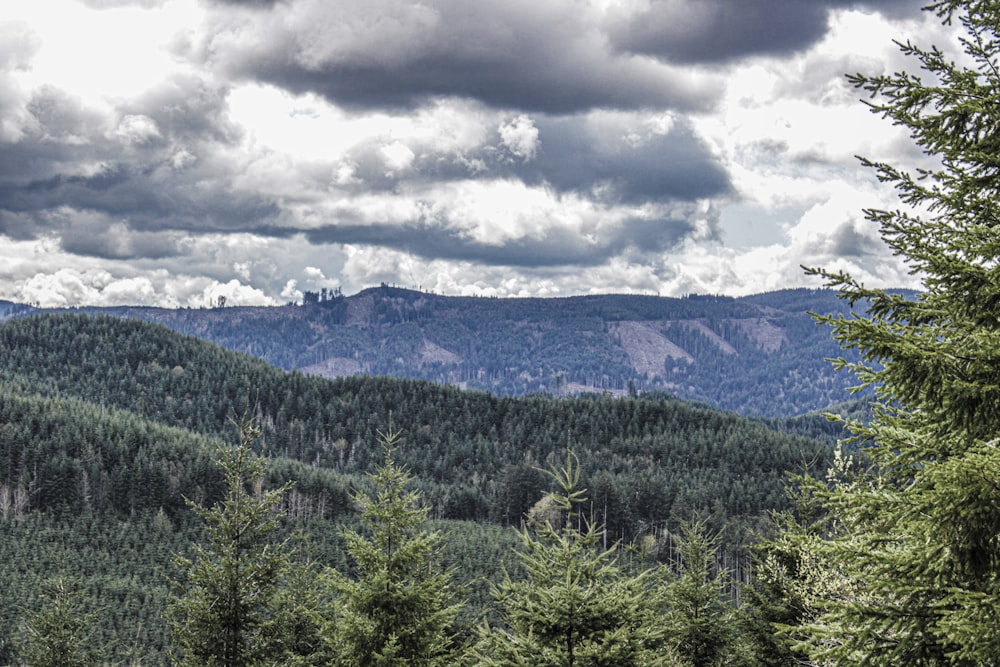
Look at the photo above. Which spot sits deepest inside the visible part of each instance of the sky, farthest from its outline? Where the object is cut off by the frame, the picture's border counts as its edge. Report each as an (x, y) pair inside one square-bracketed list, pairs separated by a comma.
[(172, 152)]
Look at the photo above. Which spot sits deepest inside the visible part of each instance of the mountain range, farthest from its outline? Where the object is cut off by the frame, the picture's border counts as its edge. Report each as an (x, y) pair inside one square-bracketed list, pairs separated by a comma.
[(759, 355)]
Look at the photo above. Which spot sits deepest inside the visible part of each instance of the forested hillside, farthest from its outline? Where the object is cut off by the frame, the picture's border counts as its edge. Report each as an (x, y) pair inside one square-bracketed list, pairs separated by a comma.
[(473, 453), (761, 355), (108, 424)]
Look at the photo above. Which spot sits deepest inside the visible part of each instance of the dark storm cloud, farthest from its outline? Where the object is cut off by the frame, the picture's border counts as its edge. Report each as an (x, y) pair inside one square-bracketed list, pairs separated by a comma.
[(61, 137), (846, 241), (378, 53), (716, 31), (59, 118), (19, 226), (621, 168), (551, 247), (188, 109), (154, 167), (143, 199), (95, 236), (608, 161)]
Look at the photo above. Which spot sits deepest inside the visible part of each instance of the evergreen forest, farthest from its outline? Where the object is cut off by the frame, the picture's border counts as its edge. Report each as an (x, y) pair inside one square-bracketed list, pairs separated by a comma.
[(110, 429)]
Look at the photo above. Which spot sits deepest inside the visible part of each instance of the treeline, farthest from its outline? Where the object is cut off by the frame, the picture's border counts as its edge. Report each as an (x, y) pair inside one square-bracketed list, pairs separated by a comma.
[(106, 512), (66, 455)]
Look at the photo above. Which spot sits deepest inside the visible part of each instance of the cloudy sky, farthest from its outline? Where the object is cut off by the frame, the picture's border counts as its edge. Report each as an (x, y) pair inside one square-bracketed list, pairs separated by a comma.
[(169, 152)]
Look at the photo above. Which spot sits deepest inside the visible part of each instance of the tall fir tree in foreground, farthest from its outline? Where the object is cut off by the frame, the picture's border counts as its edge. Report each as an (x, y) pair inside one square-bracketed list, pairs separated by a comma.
[(399, 610), (916, 536), (577, 606), (224, 613)]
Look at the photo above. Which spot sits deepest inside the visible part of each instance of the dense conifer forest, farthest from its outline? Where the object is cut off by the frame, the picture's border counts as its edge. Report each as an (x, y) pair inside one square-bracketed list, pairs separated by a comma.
[(109, 426)]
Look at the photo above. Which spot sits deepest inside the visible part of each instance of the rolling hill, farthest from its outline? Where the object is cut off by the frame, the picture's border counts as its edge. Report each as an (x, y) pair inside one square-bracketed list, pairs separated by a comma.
[(760, 355)]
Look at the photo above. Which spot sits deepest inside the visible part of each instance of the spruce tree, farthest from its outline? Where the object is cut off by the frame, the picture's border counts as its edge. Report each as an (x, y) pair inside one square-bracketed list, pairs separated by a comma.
[(57, 634), (399, 609), (916, 536), (699, 620), (577, 606), (223, 614), (781, 595)]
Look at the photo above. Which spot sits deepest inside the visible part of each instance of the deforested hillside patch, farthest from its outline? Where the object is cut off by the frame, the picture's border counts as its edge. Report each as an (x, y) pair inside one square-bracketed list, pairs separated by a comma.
[(647, 347)]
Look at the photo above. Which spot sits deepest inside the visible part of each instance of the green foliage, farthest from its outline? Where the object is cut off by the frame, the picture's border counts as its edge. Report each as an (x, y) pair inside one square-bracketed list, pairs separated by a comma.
[(658, 457), (224, 612), (120, 569), (789, 580), (400, 609), (57, 634), (300, 609), (913, 538), (100, 447), (576, 604), (699, 619)]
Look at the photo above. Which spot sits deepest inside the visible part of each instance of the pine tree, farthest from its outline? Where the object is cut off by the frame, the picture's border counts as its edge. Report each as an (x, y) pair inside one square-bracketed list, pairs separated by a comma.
[(301, 606), (223, 615), (699, 619), (57, 634), (399, 610), (780, 596), (917, 535), (577, 606)]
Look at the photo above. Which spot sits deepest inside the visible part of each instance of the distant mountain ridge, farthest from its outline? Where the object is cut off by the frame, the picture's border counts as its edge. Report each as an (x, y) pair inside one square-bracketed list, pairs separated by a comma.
[(759, 355)]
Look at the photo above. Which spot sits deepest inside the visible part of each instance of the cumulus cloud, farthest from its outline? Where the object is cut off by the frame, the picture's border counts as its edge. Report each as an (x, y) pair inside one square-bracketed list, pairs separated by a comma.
[(291, 291), (520, 136), (70, 287), (136, 129), (255, 150), (234, 293)]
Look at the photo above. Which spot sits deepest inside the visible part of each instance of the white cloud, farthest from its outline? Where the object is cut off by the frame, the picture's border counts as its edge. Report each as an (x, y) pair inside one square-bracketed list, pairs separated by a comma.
[(106, 54), (136, 129), (242, 269), (98, 287), (235, 293), (70, 287), (520, 136), (314, 273), (397, 157), (291, 291), (494, 212)]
